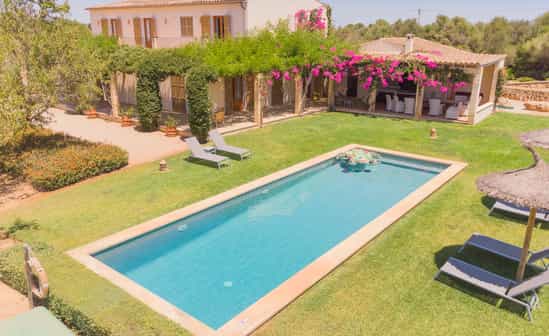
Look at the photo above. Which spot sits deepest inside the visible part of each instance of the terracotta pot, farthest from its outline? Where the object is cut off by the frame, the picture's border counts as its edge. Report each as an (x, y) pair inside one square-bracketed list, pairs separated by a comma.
[(170, 132), (127, 122), (3, 235), (91, 113)]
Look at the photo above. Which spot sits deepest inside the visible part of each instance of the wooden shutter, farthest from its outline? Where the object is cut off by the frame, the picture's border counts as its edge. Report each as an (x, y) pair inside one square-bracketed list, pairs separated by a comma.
[(118, 28), (137, 31), (105, 27), (206, 27), (187, 26), (153, 28), (227, 26)]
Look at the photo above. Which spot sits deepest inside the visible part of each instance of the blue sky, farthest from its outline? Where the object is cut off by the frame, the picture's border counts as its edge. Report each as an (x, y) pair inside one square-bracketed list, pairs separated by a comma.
[(368, 11)]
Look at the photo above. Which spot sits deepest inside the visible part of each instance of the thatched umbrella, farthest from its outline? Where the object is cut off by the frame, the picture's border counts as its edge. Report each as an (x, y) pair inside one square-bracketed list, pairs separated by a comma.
[(527, 187)]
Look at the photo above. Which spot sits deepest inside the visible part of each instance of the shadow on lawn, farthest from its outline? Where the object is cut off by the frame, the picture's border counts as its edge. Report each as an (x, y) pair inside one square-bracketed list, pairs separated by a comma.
[(487, 261), (488, 202)]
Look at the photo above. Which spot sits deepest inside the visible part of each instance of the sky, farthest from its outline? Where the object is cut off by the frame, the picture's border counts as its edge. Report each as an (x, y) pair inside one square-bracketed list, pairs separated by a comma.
[(368, 11)]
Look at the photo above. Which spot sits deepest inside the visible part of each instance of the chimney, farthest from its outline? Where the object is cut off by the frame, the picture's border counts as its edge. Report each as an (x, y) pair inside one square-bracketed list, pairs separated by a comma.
[(409, 47)]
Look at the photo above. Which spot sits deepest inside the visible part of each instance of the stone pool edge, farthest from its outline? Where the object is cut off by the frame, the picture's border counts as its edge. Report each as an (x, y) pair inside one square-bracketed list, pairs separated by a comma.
[(273, 302)]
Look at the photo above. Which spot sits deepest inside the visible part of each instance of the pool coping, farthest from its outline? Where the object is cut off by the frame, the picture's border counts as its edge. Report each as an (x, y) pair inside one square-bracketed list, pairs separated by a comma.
[(277, 299)]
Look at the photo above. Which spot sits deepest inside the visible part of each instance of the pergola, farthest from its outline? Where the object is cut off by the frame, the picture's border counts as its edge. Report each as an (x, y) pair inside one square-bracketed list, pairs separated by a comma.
[(484, 69)]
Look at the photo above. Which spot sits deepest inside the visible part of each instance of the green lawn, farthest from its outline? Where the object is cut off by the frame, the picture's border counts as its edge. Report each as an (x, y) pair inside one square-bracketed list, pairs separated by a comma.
[(387, 288)]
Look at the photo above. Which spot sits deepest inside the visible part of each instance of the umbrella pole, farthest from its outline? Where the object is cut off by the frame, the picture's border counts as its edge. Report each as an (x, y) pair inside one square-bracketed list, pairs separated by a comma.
[(526, 246)]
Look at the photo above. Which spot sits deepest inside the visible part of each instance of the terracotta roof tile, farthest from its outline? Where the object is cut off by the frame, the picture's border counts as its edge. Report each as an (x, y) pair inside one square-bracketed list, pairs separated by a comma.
[(440, 53)]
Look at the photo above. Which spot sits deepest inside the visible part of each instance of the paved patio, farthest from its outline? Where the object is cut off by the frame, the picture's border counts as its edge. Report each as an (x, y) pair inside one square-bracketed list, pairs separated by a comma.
[(142, 147)]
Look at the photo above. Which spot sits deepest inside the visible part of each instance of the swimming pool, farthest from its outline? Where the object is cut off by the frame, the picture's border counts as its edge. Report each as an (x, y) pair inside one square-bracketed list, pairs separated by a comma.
[(215, 263)]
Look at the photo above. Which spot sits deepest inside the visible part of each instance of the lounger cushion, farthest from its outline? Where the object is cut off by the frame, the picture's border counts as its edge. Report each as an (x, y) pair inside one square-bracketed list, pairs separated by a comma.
[(495, 246), (477, 276)]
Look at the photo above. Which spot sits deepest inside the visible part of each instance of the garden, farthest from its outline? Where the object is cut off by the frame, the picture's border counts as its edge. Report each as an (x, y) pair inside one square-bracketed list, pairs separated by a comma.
[(390, 282)]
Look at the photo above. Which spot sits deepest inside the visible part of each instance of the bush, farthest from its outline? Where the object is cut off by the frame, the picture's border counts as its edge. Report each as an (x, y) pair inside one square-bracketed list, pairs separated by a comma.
[(525, 79), (73, 318), (199, 102), (51, 161), (149, 102), (72, 164), (20, 225)]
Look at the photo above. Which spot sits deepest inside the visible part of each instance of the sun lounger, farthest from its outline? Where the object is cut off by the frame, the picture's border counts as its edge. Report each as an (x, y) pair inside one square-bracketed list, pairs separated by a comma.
[(197, 152), (498, 285), (516, 210), (505, 250), (221, 146)]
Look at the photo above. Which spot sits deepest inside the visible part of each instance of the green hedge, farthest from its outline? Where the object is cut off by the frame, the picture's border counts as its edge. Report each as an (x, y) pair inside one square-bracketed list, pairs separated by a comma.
[(51, 161), (149, 103), (74, 319), (199, 101)]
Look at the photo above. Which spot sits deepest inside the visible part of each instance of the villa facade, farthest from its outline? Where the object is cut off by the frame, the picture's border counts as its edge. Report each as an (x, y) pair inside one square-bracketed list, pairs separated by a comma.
[(168, 24)]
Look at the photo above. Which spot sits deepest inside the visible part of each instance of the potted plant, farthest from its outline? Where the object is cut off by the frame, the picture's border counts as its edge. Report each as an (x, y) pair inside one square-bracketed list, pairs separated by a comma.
[(127, 115), (171, 127), (89, 111)]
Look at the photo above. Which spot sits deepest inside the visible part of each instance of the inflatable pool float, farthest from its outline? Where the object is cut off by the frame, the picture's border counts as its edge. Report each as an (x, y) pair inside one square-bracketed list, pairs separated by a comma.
[(358, 159)]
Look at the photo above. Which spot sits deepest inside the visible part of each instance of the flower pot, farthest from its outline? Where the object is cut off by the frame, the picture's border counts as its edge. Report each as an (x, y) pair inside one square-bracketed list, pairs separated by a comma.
[(91, 113), (127, 122), (3, 235), (170, 132)]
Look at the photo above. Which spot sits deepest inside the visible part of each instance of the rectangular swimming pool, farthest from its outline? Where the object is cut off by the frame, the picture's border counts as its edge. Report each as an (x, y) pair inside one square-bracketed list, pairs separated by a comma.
[(219, 261)]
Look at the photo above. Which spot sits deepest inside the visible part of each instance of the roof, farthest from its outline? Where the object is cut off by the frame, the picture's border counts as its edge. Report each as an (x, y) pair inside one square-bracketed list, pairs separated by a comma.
[(162, 3), (438, 52)]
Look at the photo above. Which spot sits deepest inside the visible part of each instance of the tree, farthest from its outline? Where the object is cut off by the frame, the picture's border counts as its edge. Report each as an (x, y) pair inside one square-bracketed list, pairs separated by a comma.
[(42, 63)]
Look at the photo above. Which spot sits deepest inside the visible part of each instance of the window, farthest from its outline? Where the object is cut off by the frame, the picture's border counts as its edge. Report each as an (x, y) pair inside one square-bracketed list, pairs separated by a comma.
[(187, 26), (222, 26), (116, 28)]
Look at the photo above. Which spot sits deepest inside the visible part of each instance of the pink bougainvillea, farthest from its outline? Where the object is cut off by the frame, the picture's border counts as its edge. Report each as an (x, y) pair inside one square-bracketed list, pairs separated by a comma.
[(311, 20)]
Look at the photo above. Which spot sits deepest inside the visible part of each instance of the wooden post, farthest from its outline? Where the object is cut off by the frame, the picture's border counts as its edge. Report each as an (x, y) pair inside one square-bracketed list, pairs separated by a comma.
[(475, 95), (298, 107), (331, 95), (526, 246), (372, 100), (115, 99), (420, 92), (258, 106)]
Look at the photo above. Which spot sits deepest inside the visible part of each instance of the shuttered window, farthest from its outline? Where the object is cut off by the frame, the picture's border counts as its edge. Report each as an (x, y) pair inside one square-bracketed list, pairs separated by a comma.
[(187, 26), (137, 31), (227, 26), (219, 27), (205, 26), (105, 27), (116, 28)]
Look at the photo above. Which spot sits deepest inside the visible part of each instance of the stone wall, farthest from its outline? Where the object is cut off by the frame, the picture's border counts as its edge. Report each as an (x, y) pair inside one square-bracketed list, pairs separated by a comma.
[(529, 92)]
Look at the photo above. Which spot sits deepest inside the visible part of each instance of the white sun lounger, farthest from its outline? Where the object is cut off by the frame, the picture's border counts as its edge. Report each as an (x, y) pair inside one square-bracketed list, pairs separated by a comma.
[(197, 152), (221, 146), (496, 284)]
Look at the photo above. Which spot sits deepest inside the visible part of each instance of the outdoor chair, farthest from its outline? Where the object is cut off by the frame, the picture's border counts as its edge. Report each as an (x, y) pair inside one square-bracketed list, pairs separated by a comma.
[(388, 103), (198, 153), (505, 250), (409, 105), (517, 210), (435, 107), (398, 105), (461, 99), (505, 288), (454, 112), (221, 146)]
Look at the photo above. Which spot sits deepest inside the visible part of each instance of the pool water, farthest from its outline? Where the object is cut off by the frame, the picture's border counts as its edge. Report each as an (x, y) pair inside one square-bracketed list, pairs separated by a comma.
[(215, 264)]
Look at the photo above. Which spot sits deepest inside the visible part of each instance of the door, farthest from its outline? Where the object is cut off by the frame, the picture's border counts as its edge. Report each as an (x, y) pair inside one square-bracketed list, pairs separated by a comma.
[(238, 93), (352, 86), (179, 99), (277, 93), (148, 30)]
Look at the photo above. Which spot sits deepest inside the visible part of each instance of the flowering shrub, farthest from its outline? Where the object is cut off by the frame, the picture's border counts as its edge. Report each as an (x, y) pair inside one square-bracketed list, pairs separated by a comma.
[(311, 20)]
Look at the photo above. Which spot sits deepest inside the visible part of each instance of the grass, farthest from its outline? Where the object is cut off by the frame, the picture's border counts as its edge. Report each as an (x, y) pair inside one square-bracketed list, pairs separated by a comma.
[(386, 288)]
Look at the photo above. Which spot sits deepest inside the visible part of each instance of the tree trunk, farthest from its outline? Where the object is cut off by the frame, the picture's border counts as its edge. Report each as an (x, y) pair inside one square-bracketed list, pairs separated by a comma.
[(306, 91), (115, 99)]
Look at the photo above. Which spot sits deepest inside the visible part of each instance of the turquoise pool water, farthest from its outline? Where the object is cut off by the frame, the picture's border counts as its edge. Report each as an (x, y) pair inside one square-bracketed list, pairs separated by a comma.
[(215, 264)]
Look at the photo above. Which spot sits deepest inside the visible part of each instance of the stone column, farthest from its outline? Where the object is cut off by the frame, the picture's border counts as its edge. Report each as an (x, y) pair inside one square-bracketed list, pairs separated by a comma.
[(420, 92), (475, 92), (258, 102), (372, 100)]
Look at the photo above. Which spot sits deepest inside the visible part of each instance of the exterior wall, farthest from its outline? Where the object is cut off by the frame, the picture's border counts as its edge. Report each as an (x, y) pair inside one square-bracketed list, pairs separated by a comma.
[(126, 85), (260, 13), (217, 94), (528, 92), (168, 25)]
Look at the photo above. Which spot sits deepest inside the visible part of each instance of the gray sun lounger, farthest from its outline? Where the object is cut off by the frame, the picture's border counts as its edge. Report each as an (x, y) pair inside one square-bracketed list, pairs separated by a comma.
[(197, 152), (505, 250), (519, 211), (498, 285), (221, 146)]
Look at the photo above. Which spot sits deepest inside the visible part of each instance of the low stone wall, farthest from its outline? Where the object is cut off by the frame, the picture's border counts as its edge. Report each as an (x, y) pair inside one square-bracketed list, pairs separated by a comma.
[(528, 92)]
